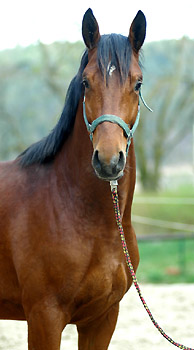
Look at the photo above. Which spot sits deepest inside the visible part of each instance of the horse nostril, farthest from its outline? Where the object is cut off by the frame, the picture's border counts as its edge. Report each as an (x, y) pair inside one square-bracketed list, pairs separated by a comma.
[(121, 161), (108, 168), (95, 161)]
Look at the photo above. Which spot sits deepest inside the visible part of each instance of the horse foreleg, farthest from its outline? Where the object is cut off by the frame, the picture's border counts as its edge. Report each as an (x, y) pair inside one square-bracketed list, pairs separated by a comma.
[(45, 325), (97, 335)]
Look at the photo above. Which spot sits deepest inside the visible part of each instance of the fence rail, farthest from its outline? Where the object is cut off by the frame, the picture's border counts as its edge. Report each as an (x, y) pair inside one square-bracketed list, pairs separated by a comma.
[(165, 237), (164, 200), (162, 223)]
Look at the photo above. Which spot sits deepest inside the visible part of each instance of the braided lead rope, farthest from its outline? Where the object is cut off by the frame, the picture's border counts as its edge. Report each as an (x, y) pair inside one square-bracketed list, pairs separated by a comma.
[(130, 266)]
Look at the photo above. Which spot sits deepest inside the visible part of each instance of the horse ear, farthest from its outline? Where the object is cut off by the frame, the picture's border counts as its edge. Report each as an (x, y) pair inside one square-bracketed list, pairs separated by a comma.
[(90, 29), (137, 31)]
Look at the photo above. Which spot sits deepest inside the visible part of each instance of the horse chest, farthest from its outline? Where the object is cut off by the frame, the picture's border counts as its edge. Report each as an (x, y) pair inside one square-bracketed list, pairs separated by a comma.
[(103, 286)]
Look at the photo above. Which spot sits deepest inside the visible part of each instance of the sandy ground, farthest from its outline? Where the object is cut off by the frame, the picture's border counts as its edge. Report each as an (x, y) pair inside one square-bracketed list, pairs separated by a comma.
[(171, 305)]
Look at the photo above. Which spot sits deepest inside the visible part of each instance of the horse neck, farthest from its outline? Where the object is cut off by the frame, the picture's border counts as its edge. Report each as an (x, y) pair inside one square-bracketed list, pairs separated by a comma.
[(74, 160), (76, 172)]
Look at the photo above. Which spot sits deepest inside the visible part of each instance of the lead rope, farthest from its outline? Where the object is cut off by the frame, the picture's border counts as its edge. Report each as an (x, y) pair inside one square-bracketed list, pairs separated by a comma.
[(115, 199)]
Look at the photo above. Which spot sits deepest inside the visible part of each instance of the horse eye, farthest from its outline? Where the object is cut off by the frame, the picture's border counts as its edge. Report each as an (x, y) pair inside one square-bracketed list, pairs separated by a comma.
[(138, 86), (85, 83)]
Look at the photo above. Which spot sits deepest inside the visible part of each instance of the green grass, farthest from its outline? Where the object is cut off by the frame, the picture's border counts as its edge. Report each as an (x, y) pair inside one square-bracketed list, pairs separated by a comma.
[(165, 261)]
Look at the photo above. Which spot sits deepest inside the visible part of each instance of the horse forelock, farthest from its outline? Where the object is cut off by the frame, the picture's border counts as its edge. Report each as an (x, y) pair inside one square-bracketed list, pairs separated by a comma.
[(114, 53)]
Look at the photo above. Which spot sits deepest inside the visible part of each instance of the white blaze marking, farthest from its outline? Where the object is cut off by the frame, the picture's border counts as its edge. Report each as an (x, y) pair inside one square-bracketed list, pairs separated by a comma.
[(110, 69)]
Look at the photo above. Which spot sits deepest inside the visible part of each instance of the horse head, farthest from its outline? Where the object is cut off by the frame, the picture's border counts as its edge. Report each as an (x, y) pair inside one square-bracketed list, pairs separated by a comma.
[(112, 81)]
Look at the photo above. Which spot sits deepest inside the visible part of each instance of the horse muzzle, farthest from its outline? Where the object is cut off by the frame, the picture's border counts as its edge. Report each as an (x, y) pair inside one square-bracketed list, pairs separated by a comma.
[(109, 169)]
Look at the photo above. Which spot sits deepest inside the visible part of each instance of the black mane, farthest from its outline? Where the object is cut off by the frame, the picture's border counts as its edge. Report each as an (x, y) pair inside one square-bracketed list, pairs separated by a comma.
[(115, 48)]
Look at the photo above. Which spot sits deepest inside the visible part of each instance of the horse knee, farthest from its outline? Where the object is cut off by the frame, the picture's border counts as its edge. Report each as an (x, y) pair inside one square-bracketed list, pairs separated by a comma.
[(97, 335), (45, 325)]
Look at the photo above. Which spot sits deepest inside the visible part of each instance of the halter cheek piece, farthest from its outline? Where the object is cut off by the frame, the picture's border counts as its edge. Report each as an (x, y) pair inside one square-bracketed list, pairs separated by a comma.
[(116, 120)]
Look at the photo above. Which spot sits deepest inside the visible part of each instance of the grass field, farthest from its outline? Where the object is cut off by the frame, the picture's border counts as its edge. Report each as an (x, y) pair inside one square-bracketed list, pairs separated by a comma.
[(165, 261)]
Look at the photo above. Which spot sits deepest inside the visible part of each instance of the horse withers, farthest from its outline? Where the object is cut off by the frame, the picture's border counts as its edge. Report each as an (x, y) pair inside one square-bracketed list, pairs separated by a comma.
[(61, 260)]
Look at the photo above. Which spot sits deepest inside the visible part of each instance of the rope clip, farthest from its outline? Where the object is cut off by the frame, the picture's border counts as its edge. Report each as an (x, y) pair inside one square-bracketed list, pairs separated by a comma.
[(113, 185)]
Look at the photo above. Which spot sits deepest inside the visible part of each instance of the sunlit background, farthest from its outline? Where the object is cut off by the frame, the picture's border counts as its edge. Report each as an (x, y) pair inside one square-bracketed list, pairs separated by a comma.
[(23, 22)]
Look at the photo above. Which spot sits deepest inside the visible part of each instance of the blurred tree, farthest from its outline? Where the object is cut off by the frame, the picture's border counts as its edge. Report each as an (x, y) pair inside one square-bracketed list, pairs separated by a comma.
[(172, 99), (59, 64), (10, 131), (33, 84)]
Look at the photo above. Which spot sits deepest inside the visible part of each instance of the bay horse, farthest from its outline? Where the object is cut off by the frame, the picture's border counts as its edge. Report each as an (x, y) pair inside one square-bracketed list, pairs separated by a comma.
[(61, 259)]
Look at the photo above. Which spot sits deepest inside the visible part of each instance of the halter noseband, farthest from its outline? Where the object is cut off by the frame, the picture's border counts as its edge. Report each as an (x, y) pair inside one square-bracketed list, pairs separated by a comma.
[(116, 120)]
